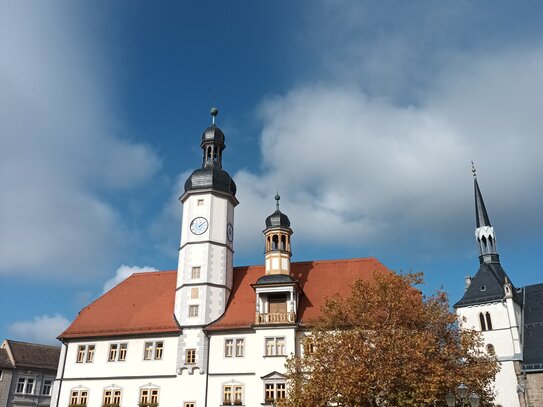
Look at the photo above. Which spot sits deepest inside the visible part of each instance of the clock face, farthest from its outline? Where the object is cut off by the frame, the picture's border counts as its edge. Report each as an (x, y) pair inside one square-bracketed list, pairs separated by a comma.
[(230, 232), (198, 225)]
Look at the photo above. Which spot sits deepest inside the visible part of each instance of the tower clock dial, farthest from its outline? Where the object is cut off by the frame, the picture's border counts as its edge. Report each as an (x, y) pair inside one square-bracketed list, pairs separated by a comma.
[(230, 232), (198, 225)]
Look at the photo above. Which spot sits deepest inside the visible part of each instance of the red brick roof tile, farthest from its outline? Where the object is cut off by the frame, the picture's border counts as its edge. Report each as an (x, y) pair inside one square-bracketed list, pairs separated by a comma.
[(317, 279), (143, 303)]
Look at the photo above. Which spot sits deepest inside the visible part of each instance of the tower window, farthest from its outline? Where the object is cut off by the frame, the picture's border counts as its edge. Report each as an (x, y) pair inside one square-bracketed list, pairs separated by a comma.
[(275, 242), (190, 357), (482, 321), (490, 349), (194, 293), (195, 273), (193, 311), (200, 202), (283, 243), (488, 321)]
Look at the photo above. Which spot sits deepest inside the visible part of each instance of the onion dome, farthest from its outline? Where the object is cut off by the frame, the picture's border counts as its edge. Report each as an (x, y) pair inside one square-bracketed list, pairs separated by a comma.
[(277, 219), (211, 175), (213, 135)]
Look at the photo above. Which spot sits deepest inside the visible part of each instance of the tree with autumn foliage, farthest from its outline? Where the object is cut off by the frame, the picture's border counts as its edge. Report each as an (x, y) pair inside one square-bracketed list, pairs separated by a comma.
[(388, 345)]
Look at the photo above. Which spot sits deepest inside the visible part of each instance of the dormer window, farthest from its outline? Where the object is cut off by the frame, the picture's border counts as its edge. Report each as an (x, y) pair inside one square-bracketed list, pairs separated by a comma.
[(483, 287)]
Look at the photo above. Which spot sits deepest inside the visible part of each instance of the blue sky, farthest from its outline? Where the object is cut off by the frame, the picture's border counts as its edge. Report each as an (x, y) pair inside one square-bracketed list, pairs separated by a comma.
[(365, 115)]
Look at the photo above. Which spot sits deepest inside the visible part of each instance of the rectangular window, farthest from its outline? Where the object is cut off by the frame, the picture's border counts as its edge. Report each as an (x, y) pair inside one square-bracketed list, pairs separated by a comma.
[(309, 346), (275, 346), (47, 385), (189, 404), (112, 352), (79, 397), (90, 354), (85, 353), (229, 348), (123, 349), (80, 353), (200, 202), (190, 357), (195, 272), (148, 352), (25, 385), (193, 311), (274, 392), (227, 395), (234, 348), (194, 293), (158, 350), (153, 350)]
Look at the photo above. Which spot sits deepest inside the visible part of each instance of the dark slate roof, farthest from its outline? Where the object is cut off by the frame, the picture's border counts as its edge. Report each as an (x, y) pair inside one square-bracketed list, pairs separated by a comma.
[(5, 362), (481, 215), (274, 279), (34, 355), (277, 219), (211, 177), (533, 327), (214, 134), (486, 286)]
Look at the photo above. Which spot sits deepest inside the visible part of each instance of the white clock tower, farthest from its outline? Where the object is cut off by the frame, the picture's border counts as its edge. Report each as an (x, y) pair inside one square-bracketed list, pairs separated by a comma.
[(205, 268)]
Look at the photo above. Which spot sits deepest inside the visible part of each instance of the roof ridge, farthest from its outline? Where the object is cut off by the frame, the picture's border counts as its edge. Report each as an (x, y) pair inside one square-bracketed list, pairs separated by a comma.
[(139, 273), (350, 260), (31, 343)]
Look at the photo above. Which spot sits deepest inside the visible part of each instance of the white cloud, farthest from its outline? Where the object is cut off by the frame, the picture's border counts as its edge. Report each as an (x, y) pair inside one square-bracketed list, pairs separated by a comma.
[(124, 272), (355, 170), (63, 149), (41, 329)]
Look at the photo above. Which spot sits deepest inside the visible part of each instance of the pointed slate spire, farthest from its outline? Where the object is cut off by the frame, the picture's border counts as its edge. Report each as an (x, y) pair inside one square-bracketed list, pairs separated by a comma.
[(481, 216)]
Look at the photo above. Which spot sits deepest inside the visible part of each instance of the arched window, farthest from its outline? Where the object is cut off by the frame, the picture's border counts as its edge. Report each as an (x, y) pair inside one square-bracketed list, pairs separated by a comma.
[(149, 395), (209, 152), (283, 242), (488, 321), (482, 320), (268, 243), (275, 243)]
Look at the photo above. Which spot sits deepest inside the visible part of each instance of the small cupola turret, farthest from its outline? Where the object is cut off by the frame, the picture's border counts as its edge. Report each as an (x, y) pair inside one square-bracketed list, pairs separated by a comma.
[(277, 235)]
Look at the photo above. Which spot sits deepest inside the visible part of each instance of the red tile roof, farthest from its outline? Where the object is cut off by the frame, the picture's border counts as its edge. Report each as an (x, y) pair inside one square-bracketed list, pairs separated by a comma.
[(144, 302), (317, 279)]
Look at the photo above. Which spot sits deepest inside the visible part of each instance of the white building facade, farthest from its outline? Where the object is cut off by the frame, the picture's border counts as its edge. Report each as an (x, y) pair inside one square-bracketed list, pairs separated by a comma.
[(206, 334)]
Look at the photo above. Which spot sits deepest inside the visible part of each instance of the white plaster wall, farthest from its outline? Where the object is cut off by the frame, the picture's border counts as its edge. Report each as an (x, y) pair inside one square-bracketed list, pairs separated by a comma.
[(134, 365), (506, 386), (249, 369), (501, 335)]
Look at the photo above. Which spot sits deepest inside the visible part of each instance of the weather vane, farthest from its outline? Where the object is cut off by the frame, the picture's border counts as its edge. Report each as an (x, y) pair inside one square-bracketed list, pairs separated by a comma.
[(277, 198), (473, 170)]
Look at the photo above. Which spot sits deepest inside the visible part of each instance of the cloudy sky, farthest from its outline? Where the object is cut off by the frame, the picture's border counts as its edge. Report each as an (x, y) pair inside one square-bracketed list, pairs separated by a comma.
[(364, 115)]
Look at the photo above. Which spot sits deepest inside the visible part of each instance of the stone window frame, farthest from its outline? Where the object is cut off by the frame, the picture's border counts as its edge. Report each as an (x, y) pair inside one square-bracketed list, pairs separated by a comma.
[(149, 398), (85, 353), (77, 396), (275, 340), (153, 350), (235, 347)]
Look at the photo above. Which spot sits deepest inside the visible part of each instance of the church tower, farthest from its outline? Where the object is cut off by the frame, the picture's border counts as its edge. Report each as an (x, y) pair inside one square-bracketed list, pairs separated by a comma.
[(205, 267), (492, 305)]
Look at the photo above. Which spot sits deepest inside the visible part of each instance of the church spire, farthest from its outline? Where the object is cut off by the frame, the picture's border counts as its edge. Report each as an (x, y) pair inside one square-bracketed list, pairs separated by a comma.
[(484, 232)]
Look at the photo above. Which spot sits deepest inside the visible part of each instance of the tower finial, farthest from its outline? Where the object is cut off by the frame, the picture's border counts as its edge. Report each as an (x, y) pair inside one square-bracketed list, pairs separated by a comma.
[(473, 170), (214, 112), (277, 198)]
